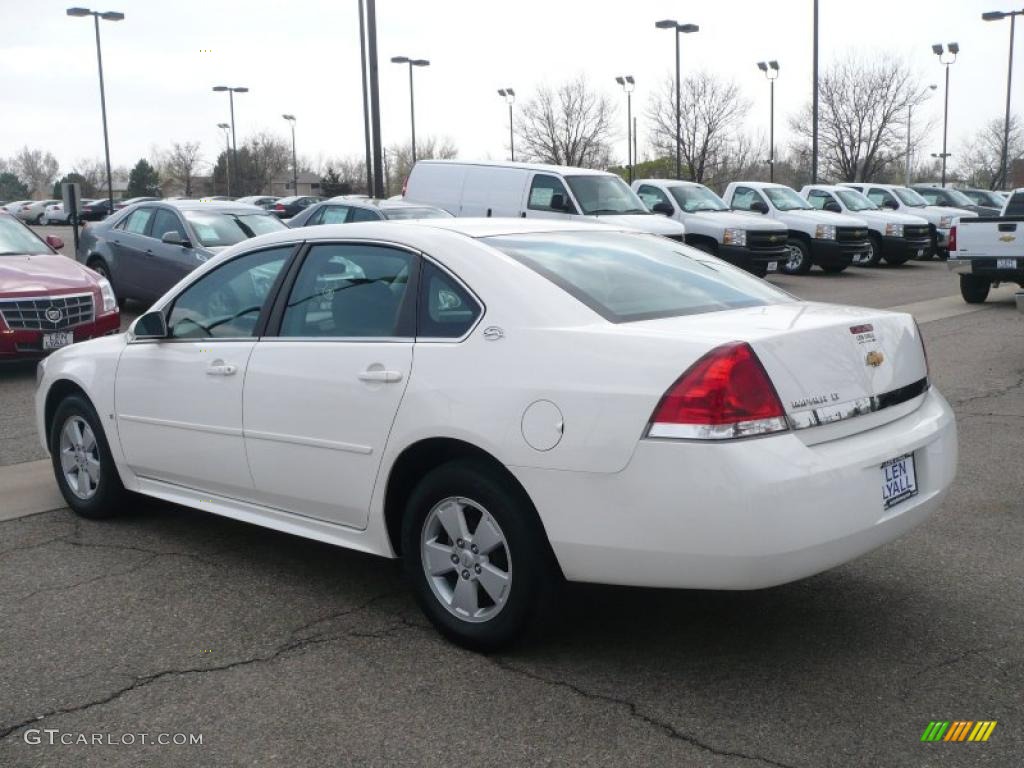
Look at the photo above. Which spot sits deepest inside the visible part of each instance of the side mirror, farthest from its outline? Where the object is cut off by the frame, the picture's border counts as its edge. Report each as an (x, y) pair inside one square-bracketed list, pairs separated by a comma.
[(832, 205), (665, 209), (54, 242), (174, 238), (558, 202), (759, 206), (151, 325)]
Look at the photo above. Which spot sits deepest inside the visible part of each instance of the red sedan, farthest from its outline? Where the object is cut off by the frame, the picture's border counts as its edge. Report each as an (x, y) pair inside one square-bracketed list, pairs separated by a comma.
[(47, 300)]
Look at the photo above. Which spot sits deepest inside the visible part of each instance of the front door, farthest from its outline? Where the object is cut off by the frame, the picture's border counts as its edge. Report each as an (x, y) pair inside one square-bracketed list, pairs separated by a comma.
[(321, 395), (166, 263), (179, 400), (545, 194)]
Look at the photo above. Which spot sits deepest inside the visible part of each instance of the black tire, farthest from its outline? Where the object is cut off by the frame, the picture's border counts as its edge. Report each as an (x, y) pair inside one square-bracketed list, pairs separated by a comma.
[(833, 269), (876, 252), (794, 266), (529, 557), (109, 496), (758, 270), (929, 253), (894, 260), (974, 288)]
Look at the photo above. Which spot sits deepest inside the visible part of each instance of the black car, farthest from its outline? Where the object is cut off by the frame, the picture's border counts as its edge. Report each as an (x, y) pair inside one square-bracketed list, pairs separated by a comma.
[(287, 207), (348, 210), (97, 210), (146, 249), (953, 198)]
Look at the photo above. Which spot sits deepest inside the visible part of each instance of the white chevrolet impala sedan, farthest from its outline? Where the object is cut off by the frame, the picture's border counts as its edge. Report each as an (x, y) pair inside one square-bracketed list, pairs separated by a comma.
[(503, 403)]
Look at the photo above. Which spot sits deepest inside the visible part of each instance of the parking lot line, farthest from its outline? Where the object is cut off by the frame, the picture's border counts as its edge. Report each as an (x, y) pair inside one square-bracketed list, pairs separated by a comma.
[(27, 489), (951, 306)]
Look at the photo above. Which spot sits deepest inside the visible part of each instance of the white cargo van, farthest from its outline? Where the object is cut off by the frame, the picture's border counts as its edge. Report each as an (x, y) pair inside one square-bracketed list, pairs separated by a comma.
[(529, 190)]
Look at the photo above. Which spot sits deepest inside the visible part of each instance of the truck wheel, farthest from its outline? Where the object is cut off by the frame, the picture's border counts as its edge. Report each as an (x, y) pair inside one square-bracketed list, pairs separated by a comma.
[(974, 288), (799, 258), (834, 269), (895, 261), (875, 258)]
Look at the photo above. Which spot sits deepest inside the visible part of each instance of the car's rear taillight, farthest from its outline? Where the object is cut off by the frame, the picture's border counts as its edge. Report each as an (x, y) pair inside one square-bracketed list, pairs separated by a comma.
[(952, 238), (726, 394)]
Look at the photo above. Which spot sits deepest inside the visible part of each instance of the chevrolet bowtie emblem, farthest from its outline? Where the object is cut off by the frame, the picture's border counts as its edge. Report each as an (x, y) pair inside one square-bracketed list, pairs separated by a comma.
[(1007, 238), (874, 358)]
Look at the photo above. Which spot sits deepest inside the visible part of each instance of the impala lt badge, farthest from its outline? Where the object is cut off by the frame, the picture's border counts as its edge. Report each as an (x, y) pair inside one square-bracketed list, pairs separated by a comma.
[(874, 358)]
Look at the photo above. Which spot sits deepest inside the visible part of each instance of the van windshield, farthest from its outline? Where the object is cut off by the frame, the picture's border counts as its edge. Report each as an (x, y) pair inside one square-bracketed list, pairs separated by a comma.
[(601, 194)]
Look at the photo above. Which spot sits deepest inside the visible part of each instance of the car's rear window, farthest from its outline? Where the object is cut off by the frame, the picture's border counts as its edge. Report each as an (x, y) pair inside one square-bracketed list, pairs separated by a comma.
[(626, 277)]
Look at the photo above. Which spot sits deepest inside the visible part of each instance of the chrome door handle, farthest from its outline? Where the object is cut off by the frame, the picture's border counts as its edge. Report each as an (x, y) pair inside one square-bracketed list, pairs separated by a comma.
[(221, 369), (388, 377)]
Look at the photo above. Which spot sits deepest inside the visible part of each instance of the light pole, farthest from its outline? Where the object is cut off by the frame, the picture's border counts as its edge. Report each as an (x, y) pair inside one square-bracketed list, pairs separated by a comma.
[(938, 50), (814, 102), (628, 85), (509, 95), (412, 101), (681, 29), (996, 16), (106, 16), (234, 144), (227, 153), (910, 115), (295, 162), (771, 71)]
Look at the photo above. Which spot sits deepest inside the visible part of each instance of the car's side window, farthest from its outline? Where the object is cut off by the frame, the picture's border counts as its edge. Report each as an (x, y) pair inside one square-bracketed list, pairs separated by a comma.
[(652, 195), (163, 222), (333, 214), (1016, 205), (542, 190), (349, 291), (446, 309), (817, 198), (364, 214), (138, 221), (932, 197), (744, 197), (881, 197), (227, 302)]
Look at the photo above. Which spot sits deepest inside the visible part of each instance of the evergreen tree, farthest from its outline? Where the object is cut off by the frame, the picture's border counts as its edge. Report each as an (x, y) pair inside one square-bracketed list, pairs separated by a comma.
[(143, 181)]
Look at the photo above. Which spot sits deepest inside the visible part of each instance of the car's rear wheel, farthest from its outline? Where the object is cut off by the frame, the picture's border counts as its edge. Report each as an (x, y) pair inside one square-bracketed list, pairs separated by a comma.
[(82, 462), (476, 554), (798, 261), (974, 288)]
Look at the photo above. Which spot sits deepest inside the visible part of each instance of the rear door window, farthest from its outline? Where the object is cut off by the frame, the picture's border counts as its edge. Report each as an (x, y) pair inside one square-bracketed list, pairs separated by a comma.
[(138, 221), (446, 310), (331, 214)]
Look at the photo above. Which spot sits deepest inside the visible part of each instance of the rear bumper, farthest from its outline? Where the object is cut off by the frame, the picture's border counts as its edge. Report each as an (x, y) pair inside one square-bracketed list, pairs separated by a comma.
[(746, 257), (743, 514), (835, 253), (901, 247), (16, 344), (986, 267)]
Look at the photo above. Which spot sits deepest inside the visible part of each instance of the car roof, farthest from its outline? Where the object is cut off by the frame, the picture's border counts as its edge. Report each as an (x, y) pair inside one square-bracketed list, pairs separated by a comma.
[(221, 206), (562, 169), (669, 182), (370, 202), (759, 184)]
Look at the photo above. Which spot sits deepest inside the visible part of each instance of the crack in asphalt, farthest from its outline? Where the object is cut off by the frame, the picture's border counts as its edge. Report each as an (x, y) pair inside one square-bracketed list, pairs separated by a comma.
[(634, 711), (990, 393), (293, 644)]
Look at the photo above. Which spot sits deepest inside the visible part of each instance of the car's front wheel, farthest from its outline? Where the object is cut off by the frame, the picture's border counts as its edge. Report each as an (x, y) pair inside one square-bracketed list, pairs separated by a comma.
[(82, 462), (798, 261), (476, 555)]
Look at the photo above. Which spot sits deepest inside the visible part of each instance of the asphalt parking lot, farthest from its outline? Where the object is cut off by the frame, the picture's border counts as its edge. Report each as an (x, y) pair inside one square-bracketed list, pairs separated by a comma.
[(282, 651)]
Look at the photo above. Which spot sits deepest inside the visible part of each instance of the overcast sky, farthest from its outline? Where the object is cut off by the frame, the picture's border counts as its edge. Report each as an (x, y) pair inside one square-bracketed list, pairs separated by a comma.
[(302, 57)]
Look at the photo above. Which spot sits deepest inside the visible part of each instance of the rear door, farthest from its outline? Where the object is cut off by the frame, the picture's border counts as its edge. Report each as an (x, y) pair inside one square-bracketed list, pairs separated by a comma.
[(129, 241), (323, 387)]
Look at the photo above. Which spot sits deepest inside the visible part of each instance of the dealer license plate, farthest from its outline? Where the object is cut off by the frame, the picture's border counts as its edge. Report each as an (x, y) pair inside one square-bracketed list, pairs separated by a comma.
[(57, 340), (773, 266), (1006, 263), (920, 252), (899, 480)]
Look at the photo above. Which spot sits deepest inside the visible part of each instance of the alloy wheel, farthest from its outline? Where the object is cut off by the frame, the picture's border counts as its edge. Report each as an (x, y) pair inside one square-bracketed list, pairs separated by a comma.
[(80, 457), (796, 257), (466, 559)]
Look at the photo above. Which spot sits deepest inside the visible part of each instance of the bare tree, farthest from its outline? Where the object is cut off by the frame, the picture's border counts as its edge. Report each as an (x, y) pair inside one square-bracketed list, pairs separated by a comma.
[(862, 124), (179, 164), (568, 125), (712, 141), (37, 169), (268, 156), (980, 161), (398, 160)]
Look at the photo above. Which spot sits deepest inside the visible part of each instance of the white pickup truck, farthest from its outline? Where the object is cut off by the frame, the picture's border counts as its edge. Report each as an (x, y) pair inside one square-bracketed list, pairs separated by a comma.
[(747, 240), (830, 240), (989, 251)]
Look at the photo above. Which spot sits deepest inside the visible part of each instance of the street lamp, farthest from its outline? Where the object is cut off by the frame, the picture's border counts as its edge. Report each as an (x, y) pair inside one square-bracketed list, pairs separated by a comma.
[(946, 61), (234, 145), (295, 162), (628, 85), (771, 71), (412, 102), (106, 16), (681, 29), (910, 115), (227, 153), (996, 16), (509, 95)]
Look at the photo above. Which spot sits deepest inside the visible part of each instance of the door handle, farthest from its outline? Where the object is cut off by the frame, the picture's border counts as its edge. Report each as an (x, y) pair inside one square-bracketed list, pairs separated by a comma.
[(375, 374), (220, 368), (149, 252)]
